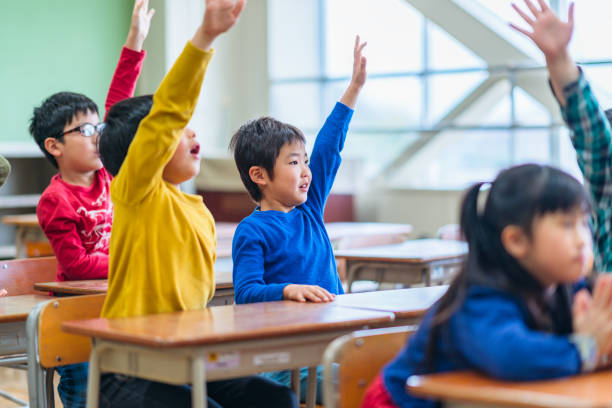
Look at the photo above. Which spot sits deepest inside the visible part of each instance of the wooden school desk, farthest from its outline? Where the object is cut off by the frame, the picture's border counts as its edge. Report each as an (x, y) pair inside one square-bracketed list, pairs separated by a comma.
[(408, 305), (14, 312), (410, 262), (469, 389), (224, 288), (217, 342), (28, 235)]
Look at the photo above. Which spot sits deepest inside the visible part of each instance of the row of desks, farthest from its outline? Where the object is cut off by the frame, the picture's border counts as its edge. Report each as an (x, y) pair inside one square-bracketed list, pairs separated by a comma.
[(286, 335)]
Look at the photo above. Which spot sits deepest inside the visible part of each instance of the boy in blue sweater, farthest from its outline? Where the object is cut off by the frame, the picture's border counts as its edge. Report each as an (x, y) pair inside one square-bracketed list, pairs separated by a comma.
[(282, 251)]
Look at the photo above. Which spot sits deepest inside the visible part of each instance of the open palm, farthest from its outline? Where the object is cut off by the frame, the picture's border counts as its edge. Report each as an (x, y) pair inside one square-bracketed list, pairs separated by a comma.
[(549, 33)]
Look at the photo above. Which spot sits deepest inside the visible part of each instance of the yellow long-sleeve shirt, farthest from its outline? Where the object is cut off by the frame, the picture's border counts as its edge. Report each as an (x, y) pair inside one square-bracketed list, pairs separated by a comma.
[(162, 246)]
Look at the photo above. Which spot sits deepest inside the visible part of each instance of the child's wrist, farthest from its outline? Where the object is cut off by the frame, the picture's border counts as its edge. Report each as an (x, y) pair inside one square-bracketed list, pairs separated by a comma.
[(587, 350), (134, 41)]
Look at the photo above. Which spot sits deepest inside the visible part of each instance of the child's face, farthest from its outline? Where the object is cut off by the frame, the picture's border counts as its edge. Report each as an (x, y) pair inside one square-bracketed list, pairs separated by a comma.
[(185, 163), (75, 152), (560, 248), (291, 182)]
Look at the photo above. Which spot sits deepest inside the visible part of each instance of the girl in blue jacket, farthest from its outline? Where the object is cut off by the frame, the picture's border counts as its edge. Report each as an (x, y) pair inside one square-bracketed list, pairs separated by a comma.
[(511, 312)]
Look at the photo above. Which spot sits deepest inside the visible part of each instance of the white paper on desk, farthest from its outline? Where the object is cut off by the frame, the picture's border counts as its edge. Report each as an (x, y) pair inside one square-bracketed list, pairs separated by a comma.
[(216, 361)]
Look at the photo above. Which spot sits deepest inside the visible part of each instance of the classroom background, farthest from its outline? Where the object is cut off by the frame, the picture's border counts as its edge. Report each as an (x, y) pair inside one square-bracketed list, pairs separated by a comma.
[(453, 94)]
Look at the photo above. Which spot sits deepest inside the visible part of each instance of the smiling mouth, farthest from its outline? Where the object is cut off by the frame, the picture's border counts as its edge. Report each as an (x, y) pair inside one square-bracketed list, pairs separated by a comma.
[(195, 150)]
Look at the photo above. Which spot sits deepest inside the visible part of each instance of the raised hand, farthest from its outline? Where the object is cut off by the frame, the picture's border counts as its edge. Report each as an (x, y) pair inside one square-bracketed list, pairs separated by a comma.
[(220, 16), (140, 24), (307, 293), (593, 316), (359, 74), (548, 32)]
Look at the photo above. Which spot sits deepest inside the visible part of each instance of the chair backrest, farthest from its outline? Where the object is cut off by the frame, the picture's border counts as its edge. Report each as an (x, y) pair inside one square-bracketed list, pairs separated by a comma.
[(48, 346), (18, 276), (351, 362), (35, 249)]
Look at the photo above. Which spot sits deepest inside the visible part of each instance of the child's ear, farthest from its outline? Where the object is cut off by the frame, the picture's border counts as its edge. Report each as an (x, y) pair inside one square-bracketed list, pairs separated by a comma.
[(515, 241), (54, 146), (258, 175)]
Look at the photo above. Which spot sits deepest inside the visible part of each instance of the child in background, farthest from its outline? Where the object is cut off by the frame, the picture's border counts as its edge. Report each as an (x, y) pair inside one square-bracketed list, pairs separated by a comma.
[(510, 312), (282, 250), (162, 248), (75, 211), (588, 123)]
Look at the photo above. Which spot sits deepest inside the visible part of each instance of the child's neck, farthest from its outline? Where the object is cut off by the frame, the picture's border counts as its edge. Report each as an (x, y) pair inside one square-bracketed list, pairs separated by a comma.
[(267, 205), (78, 178)]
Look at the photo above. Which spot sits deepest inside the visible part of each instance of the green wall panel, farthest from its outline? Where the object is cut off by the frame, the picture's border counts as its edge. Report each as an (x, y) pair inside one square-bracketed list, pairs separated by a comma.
[(48, 46)]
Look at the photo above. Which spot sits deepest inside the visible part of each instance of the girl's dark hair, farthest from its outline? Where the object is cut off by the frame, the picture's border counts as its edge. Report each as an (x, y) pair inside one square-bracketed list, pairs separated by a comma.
[(516, 197), (122, 121), (258, 143)]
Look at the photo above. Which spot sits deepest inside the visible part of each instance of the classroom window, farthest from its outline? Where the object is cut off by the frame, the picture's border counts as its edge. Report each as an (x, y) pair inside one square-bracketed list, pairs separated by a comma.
[(437, 114)]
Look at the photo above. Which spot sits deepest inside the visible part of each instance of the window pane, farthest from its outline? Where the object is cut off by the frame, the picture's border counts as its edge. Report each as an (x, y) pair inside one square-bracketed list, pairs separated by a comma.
[(393, 30), (592, 19), (568, 160), (383, 103), (297, 104), (455, 159), (375, 149), (447, 91), (532, 146), (600, 76), (293, 38), (445, 52), (528, 111)]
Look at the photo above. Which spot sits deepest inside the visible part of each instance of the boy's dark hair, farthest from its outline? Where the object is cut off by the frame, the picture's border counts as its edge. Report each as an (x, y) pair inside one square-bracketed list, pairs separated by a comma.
[(516, 197), (122, 122), (258, 143), (58, 110)]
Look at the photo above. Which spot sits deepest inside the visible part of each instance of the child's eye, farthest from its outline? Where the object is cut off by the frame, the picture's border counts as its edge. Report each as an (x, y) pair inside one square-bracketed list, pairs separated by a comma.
[(293, 163), (307, 161)]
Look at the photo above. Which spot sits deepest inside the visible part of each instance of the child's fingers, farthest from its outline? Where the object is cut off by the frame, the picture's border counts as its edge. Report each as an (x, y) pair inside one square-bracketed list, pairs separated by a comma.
[(138, 5), (150, 14), (238, 8), (570, 14), (524, 15), (582, 303), (543, 5), (534, 10), (602, 294), (521, 30)]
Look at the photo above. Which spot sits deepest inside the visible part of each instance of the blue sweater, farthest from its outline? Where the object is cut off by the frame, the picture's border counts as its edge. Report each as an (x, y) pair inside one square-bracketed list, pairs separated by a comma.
[(272, 249), (488, 333)]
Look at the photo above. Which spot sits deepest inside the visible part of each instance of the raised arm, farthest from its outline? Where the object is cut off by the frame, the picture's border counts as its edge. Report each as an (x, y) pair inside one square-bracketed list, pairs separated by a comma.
[(325, 159), (132, 56), (590, 129), (552, 36)]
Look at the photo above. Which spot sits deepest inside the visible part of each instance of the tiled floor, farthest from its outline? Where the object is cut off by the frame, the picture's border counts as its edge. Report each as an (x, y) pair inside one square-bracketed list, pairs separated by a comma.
[(15, 383)]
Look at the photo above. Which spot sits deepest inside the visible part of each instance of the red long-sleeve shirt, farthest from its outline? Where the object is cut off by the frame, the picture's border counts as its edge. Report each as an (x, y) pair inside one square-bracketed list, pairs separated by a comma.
[(77, 220)]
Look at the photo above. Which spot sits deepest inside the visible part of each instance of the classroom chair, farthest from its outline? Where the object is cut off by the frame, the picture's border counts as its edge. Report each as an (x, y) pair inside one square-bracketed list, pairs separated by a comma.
[(351, 362), (49, 347), (18, 276)]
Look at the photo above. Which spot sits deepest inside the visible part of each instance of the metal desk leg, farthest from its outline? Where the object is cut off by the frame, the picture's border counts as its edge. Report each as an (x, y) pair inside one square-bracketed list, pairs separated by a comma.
[(311, 388), (198, 385), (93, 377)]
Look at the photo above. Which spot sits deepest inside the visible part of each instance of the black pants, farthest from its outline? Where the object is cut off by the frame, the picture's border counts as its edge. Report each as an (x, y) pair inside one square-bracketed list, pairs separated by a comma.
[(248, 392)]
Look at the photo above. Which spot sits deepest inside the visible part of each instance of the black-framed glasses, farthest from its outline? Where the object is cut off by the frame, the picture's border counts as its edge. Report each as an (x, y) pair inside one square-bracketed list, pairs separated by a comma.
[(86, 129)]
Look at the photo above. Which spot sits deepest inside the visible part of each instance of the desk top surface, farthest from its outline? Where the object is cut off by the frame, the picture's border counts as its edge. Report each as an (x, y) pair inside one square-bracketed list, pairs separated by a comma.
[(412, 251), (590, 390), (17, 308), (404, 303), (22, 220), (229, 323), (223, 280)]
